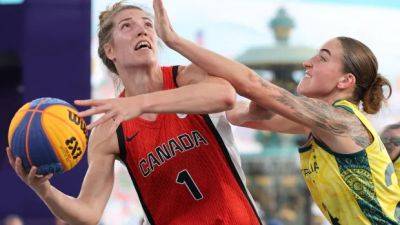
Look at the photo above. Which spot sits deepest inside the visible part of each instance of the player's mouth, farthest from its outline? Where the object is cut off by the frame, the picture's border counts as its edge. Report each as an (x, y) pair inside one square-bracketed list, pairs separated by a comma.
[(143, 45), (307, 74)]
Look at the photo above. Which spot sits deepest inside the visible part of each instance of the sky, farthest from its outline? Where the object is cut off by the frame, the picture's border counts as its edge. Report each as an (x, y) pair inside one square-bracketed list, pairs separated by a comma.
[(232, 26)]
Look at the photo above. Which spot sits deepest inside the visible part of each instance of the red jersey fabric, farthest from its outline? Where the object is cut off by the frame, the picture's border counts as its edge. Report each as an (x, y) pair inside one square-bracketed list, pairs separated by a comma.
[(182, 170)]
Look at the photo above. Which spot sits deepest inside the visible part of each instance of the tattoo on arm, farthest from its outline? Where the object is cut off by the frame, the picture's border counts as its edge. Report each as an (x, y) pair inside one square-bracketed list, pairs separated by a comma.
[(321, 115)]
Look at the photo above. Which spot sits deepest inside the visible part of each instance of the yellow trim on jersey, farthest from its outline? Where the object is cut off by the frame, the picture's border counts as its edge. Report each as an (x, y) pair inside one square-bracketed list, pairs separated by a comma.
[(356, 189)]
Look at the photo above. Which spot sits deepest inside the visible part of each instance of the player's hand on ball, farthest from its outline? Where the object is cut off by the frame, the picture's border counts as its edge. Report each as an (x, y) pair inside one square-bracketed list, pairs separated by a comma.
[(33, 180), (116, 109), (162, 24)]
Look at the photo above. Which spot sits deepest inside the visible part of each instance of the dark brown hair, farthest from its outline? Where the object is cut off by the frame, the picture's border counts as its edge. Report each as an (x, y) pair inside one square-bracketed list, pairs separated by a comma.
[(359, 60), (105, 30)]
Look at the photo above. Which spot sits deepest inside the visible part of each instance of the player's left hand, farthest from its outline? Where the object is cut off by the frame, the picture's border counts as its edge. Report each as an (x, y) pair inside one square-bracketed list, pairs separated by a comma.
[(162, 24), (38, 183), (116, 109)]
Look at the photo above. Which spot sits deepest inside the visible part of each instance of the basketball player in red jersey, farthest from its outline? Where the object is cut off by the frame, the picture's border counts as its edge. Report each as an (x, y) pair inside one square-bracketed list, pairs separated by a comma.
[(183, 166)]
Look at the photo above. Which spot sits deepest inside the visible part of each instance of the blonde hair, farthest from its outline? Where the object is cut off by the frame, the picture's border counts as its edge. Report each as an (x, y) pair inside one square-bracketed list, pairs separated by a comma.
[(104, 35), (106, 26)]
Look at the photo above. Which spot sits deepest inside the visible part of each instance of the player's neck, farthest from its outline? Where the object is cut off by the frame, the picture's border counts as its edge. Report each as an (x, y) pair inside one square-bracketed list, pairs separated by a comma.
[(141, 80), (334, 96)]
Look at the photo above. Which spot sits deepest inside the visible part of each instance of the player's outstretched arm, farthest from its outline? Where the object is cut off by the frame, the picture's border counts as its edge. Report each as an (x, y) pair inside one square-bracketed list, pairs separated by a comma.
[(88, 207), (326, 122), (198, 93), (251, 115), (248, 83)]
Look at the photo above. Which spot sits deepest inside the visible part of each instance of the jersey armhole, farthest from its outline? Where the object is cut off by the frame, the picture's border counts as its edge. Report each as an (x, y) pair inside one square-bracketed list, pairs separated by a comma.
[(121, 143), (350, 110), (307, 145), (175, 74)]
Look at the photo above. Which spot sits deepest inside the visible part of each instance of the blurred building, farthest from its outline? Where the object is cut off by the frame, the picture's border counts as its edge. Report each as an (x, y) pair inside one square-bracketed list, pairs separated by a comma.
[(273, 174)]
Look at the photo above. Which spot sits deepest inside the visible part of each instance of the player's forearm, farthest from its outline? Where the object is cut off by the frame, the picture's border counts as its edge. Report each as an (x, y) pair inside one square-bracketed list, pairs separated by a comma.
[(67, 208), (236, 73), (199, 98)]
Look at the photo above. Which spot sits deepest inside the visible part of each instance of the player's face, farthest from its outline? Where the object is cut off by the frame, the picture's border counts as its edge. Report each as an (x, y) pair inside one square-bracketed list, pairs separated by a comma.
[(134, 39), (323, 71)]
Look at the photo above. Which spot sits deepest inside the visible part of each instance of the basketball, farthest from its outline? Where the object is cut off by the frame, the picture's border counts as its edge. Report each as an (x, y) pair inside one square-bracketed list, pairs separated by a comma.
[(48, 134)]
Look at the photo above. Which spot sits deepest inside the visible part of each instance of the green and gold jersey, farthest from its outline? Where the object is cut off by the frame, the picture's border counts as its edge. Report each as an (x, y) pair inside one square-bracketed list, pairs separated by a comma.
[(352, 189)]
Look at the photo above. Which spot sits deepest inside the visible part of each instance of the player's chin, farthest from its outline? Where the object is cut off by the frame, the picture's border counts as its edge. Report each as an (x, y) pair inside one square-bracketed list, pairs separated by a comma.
[(147, 60), (301, 89), (307, 91)]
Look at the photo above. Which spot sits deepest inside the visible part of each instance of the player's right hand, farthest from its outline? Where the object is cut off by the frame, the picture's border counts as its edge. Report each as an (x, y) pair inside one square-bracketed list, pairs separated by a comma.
[(162, 24), (37, 182)]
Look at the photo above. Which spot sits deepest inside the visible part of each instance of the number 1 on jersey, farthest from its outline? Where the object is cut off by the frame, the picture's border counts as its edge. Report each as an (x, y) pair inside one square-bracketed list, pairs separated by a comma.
[(185, 178)]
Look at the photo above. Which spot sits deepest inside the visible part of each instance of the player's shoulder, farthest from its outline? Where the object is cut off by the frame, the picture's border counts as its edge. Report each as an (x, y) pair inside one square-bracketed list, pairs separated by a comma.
[(181, 68), (103, 140), (190, 74)]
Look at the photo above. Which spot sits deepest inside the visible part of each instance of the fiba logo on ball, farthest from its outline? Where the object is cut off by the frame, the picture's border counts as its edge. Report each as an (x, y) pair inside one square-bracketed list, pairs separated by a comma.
[(48, 133), (72, 145)]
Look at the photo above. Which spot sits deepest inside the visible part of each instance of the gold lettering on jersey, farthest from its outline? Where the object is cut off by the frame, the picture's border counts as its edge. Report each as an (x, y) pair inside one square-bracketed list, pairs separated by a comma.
[(170, 149)]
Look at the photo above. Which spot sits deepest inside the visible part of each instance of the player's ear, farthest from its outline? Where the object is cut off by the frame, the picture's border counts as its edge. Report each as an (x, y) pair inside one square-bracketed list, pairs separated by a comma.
[(109, 50), (346, 81)]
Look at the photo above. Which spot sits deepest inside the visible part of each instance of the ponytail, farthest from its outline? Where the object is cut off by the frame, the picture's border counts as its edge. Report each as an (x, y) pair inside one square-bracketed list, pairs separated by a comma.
[(374, 95)]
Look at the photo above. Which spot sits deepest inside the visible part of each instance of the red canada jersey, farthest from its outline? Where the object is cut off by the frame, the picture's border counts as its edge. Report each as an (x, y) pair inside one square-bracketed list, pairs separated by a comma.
[(182, 169)]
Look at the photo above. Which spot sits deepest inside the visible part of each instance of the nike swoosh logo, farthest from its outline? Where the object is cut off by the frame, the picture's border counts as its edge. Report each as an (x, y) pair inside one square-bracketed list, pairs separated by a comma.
[(181, 115), (129, 139)]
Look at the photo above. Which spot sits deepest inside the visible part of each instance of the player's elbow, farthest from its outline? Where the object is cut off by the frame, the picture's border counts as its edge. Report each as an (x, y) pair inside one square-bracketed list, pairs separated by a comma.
[(251, 82), (87, 220), (96, 221), (228, 96), (96, 216), (91, 220), (89, 216)]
